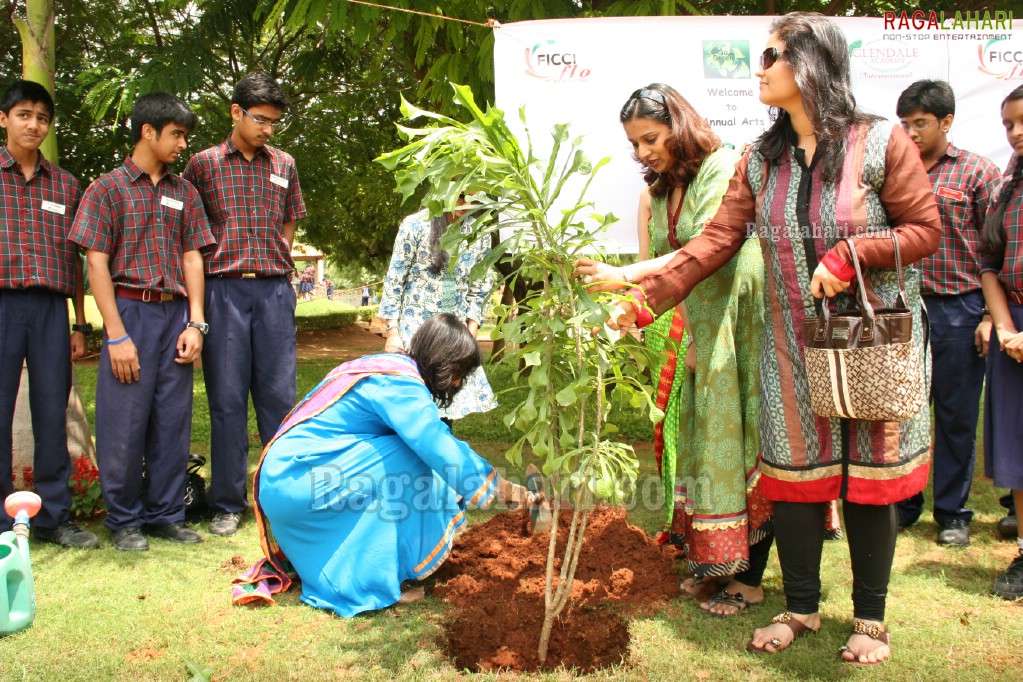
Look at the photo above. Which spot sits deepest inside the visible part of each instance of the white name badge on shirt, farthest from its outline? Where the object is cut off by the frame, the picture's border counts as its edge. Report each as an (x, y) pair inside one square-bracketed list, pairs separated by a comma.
[(279, 181), (171, 203), (59, 209)]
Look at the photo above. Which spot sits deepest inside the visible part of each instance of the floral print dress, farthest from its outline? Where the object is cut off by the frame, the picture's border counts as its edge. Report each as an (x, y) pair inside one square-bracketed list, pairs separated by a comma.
[(412, 295)]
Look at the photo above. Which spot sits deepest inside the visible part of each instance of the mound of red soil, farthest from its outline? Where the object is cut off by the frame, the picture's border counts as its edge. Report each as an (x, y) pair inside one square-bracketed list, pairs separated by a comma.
[(495, 580)]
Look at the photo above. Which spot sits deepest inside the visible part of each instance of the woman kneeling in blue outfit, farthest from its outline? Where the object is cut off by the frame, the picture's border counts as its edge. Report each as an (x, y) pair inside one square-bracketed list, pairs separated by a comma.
[(363, 487)]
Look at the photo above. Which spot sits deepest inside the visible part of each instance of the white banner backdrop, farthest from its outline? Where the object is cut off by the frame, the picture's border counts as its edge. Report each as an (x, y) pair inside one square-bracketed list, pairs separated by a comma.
[(581, 71)]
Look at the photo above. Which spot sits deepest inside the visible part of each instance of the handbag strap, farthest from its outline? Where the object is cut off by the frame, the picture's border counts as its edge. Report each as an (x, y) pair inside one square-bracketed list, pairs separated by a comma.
[(901, 300)]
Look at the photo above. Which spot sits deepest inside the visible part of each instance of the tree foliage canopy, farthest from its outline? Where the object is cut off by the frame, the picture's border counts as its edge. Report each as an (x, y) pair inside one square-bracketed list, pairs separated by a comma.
[(345, 66)]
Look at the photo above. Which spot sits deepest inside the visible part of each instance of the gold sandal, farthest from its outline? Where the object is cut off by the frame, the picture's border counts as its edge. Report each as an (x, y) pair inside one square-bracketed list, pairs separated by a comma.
[(871, 629), (796, 626)]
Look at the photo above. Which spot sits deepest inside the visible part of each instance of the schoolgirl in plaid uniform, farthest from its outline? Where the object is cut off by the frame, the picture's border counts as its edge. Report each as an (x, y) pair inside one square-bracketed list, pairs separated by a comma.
[(39, 270), (143, 228), (963, 183), (253, 199), (1002, 278)]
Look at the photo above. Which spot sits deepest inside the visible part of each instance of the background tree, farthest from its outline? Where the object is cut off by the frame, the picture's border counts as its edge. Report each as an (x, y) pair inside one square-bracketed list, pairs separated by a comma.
[(344, 65)]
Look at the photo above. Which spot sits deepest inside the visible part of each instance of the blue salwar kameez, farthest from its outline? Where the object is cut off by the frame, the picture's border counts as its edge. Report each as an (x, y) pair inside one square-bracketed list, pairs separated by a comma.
[(362, 488)]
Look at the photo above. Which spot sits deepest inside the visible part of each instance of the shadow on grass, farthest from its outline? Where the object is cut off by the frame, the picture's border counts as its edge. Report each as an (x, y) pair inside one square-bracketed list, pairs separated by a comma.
[(966, 578)]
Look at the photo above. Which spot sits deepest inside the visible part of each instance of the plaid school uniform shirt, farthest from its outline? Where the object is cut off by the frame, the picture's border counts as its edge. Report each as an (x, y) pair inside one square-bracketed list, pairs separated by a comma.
[(35, 220), (964, 186), (248, 203), (1010, 268), (144, 228)]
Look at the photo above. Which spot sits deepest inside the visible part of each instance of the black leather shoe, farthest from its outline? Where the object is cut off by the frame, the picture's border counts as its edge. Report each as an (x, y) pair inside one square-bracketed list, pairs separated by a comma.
[(67, 534), (225, 524), (1007, 527), (130, 539), (955, 533), (178, 531), (1009, 585), (906, 522)]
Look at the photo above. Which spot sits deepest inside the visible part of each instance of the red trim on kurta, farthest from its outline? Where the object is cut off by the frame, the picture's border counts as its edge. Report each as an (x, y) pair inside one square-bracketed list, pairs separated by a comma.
[(860, 490)]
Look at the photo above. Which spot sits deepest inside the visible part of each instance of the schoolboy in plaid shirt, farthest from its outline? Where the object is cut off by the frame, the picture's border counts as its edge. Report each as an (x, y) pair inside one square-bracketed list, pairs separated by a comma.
[(143, 228), (39, 270), (963, 184), (253, 199)]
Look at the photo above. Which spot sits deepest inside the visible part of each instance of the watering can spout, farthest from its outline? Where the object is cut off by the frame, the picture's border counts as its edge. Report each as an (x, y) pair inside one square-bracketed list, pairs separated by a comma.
[(17, 591)]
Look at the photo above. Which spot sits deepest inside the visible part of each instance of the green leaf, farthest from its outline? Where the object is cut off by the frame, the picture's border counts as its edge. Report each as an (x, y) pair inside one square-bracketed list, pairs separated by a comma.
[(566, 396)]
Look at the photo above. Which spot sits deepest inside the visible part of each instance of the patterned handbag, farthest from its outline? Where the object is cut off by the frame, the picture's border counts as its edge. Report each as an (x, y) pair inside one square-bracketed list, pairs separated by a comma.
[(862, 363)]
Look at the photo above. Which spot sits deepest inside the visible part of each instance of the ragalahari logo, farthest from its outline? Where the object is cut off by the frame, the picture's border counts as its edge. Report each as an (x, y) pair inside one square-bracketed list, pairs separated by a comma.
[(920, 20), (547, 62), (1004, 62)]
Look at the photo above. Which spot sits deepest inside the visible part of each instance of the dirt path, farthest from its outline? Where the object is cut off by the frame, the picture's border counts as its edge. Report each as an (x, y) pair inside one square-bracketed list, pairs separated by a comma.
[(346, 343)]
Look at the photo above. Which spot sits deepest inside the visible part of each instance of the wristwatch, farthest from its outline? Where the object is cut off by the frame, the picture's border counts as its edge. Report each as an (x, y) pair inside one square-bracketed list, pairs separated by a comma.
[(84, 328), (203, 327)]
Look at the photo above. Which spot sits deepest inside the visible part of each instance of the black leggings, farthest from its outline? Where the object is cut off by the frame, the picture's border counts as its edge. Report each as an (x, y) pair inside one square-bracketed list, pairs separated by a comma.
[(758, 554), (871, 529)]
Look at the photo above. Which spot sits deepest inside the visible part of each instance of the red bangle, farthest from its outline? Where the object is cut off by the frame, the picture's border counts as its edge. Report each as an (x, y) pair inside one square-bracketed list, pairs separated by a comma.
[(643, 314), (838, 267)]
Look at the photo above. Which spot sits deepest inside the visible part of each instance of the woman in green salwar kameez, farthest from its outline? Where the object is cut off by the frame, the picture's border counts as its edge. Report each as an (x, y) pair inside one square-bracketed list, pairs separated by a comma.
[(713, 464)]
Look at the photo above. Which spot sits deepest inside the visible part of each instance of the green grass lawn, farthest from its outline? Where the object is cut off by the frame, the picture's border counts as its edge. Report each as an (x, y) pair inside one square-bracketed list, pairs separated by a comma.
[(107, 615)]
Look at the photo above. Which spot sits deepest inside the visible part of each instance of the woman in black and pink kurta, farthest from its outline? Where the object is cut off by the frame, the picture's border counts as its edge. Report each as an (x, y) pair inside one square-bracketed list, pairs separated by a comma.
[(823, 172)]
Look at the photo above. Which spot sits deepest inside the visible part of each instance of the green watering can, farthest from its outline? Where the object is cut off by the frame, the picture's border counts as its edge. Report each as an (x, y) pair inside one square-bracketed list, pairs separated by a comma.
[(17, 592)]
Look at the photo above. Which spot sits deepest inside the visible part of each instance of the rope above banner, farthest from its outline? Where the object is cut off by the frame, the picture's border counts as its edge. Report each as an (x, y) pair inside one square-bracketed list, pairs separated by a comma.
[(490, 23)]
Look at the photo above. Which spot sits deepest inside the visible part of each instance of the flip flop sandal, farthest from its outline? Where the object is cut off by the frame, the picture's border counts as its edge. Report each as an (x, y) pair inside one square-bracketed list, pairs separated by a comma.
[(726, 598), (797, 628), (872, 630)]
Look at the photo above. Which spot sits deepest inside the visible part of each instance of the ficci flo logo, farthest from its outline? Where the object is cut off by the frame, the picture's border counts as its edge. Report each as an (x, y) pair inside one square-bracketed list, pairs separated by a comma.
[(545, 61), (1000, 60)]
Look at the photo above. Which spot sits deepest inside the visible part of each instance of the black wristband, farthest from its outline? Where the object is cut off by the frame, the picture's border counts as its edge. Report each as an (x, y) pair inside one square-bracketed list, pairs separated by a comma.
[(84, 328)]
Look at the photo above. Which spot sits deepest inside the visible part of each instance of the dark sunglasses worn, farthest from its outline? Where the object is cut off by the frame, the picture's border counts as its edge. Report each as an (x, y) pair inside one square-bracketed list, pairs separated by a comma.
[(769, 57)]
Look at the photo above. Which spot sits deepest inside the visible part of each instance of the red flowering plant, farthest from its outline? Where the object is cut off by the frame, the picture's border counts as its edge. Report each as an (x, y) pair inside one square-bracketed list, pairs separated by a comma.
[(86, 498), (28, 479)]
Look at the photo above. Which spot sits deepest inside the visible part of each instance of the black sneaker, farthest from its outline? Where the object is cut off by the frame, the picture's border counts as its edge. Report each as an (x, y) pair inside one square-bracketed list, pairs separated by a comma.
[(178, 531), (954, 532), (1007, 527), (1010, 584), (130, 539), (67, 534), (906, 522), (225, 523)]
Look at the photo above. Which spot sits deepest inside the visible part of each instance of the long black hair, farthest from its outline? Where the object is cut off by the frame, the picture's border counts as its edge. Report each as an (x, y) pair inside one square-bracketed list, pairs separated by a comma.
[(438, 256), (818, 54), (445, 352), (690, 141), (992, 237)]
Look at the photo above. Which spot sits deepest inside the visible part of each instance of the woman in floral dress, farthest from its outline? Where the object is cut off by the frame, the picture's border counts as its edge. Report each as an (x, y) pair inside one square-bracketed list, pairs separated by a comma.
[(421, 283)]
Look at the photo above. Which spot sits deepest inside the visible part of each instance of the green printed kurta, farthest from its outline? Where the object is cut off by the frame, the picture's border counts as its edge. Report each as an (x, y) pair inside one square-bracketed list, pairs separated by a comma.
[(718, 509)]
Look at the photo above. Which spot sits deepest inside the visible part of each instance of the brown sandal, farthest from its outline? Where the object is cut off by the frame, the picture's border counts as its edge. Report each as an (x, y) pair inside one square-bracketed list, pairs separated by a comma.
[(875, 631), (797, 628)]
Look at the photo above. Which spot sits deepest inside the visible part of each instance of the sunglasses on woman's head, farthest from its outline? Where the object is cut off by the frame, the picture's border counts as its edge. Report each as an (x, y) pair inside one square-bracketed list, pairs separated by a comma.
[(769, 57), (643, 93)]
